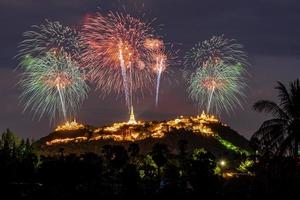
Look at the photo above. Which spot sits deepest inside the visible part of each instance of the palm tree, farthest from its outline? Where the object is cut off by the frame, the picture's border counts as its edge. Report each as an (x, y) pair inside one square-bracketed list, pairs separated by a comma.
[(280, 135)]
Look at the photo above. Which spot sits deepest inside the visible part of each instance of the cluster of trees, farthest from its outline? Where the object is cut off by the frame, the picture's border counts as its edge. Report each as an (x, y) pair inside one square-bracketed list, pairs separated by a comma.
[(122, 173), (12, 146), (116, 173), (15, 155)]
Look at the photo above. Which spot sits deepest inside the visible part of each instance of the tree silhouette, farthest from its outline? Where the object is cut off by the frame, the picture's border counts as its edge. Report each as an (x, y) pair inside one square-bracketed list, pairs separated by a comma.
[(201, 172), (119, 157), (159, 154), (134, 149), (182, 146), (280, 135), (9, 143)]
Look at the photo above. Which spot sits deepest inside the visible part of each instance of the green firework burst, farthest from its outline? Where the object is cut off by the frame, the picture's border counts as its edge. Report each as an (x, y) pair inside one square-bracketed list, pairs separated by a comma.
[(53, 85)]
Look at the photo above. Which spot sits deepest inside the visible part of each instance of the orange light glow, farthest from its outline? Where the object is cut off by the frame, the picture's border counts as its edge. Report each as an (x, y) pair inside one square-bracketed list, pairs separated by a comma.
[(128, 131), (69, 126), (153, 44)]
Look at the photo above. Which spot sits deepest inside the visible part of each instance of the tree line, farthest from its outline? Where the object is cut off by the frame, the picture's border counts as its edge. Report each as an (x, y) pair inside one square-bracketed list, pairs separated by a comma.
[(122, 173)]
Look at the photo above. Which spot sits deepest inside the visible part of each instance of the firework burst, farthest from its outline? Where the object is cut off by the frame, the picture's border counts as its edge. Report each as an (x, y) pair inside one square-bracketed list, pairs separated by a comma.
[(159, 61), (217, 86), (215, 72), (54, 85), (216, 49), (117, 54), (50, 36)]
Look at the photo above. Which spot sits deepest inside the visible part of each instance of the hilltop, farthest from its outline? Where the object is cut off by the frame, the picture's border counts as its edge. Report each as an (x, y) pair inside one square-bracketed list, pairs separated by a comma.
[(203, 131)]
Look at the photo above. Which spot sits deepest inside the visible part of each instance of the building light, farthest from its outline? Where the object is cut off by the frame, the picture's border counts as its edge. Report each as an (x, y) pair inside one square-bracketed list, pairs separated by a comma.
[(134, 131)]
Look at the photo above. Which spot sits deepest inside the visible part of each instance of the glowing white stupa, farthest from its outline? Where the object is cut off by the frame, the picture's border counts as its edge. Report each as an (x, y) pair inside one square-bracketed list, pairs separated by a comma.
[(131, 118)]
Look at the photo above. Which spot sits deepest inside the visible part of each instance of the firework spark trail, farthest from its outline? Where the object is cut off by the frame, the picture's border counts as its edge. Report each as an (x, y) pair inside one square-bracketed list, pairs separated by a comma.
[(49, 56), (217, 86), (212, 90), (51, 81), (116, 57), (131, 86), (157, 47), (62, 102), (160, 66), (124, 76)]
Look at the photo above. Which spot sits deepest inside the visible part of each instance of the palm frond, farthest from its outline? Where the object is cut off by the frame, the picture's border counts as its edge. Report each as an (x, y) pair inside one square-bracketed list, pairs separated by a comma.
[(278, 135), (269, 135), (270, 107), (284, 97), (284, 146), (295, 98), (273, 122)]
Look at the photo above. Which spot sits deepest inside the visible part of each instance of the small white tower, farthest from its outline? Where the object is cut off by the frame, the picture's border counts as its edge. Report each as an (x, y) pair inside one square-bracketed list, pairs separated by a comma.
[(131, 118)]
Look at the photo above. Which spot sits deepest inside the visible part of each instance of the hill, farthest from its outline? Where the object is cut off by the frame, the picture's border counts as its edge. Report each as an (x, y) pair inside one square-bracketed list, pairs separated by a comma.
[(201, 131)]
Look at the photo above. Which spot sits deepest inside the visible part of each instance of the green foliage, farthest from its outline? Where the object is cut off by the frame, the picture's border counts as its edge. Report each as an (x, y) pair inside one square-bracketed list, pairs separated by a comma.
[(246, 165), (231, 146), (203, 160), (14, 147), (8, 139), (147, 167), (218, 170), (198, 153)]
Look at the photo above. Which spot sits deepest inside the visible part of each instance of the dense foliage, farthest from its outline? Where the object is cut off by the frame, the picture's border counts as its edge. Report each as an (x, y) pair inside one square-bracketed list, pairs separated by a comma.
[(122, 173), (280, 135)]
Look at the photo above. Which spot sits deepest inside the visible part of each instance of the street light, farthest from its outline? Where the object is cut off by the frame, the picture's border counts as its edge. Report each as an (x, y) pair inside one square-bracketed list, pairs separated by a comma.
[(223, 163)]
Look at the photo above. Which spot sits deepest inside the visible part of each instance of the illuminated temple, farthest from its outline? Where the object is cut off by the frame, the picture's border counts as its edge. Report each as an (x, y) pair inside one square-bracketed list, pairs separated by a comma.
[(68, 126), (131, 118), (133, 130)]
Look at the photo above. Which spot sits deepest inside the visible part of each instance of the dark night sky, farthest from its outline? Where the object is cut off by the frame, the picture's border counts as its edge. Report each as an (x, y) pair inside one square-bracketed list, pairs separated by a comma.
[(269, 30)]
